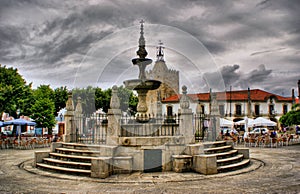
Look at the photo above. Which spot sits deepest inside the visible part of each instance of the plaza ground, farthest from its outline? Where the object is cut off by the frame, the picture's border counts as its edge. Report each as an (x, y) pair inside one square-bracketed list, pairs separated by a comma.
[(272, 170)]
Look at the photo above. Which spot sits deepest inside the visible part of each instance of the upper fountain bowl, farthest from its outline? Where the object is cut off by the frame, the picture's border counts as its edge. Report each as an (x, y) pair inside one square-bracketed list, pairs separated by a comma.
[(138, 84), (140, 61)]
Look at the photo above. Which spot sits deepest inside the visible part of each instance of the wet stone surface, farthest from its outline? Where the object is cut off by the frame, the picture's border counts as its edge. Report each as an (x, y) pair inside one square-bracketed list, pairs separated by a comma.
[(272, 170)]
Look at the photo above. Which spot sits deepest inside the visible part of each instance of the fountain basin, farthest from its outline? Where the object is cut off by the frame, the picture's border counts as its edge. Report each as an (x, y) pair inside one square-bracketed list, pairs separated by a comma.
[(141, 61), (138, 84)]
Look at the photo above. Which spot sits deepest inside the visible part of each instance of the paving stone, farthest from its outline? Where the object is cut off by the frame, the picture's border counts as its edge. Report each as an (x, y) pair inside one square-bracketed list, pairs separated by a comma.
[(272, 170)]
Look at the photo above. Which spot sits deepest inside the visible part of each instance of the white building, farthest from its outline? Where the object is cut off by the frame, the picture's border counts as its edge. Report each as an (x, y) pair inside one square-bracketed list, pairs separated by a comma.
[(235, 105)]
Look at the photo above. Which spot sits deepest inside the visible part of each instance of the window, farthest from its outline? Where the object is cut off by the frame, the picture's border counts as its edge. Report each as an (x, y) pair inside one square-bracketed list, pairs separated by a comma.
[(169, 111), (202, 109), (271, 109), (284, 109), (256, 109), (238, 109), (221, 110)]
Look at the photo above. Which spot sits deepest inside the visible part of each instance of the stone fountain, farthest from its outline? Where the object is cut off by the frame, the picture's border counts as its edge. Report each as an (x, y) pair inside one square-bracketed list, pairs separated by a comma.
[(142, 85)]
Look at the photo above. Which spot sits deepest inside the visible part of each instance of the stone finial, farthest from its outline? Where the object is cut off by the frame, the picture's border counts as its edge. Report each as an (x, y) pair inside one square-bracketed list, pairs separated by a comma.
[(214, 104), (160, 51), (142, 53), (78, 108), (184, 101), (114, 101), (69, 104)]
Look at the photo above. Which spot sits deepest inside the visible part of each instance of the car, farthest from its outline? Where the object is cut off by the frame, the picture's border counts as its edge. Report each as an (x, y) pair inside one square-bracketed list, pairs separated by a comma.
[(225, 130), (7, 132), (259, 131)]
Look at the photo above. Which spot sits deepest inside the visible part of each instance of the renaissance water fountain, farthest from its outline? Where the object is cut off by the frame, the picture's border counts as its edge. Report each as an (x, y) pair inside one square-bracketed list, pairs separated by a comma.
[(142, 85), (141, 146)]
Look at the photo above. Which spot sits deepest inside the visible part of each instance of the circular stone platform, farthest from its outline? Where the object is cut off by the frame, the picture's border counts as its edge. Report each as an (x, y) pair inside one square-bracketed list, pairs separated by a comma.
[(139, 177)]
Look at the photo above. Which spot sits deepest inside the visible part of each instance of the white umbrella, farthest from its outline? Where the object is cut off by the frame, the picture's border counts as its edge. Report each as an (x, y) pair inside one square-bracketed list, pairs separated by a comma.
[(243, 122), (260, 121), (225, 123)]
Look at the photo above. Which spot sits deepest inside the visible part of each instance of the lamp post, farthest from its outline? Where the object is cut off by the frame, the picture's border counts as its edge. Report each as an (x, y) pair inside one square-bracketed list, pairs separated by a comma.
[(18, 112), (19, 126), (60, 117)]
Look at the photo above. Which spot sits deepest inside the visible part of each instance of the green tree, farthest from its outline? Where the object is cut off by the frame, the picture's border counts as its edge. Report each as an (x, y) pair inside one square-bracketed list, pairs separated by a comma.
[(87, 96), (43, 110), (128, 100), (292, 117), (14, 92), (44, 91), (102, 99), (60, 98)]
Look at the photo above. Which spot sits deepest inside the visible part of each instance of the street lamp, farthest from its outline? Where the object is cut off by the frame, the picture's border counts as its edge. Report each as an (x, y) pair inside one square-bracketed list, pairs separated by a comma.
[(19, 126), (18, 112), (60, 117)]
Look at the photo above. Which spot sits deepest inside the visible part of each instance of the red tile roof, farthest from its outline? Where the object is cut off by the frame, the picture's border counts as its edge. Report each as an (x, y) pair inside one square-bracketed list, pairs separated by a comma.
[(241, 95)]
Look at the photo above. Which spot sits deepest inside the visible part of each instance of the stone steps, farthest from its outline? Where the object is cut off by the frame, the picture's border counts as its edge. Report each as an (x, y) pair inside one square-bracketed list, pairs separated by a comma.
[(230, 160), (79, 146), (220, 157), (65, 163), (214, 144), (92, 160), (63, 169), (85, 152), (227, 154), (70, 157), (219, 149), (234, 166)]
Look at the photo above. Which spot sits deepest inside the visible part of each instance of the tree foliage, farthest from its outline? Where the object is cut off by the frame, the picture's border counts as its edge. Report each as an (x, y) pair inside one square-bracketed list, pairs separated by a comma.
[(96, 98), (87, 96), (102, 99), (14, 92), (128, 100), (43, 110), (292, 117), (60, 98)]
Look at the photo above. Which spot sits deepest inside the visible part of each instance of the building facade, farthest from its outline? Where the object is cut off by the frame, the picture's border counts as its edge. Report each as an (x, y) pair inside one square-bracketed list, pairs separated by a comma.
[(236, 105)]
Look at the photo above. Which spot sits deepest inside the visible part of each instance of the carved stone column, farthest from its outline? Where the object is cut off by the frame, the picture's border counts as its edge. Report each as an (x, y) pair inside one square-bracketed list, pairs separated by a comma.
[(186, 118), (114, 119), (214, 128), (70, 131), (79, 116)]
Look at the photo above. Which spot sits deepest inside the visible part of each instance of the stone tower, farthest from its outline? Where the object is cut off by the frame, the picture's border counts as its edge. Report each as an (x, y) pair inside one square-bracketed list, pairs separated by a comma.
[(169, 81)]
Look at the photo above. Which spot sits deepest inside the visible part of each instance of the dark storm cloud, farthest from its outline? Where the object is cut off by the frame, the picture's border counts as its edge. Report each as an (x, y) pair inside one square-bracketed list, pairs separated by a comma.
[(229, 74), (258, 75), (55, 34), (267, 51), (242, 80)]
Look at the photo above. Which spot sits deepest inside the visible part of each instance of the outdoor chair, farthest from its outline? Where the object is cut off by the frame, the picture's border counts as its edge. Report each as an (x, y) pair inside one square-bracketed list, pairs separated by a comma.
[(267, 141), (259, 141), (274, 142), (246, 142), (252, 141)]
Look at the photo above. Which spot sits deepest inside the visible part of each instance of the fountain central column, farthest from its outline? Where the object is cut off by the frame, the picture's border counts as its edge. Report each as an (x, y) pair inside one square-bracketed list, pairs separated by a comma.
[(142, 85), (142, 105)]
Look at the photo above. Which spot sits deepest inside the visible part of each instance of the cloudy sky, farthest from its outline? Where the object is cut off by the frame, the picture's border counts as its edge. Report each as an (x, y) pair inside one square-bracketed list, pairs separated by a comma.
[(76, 43)]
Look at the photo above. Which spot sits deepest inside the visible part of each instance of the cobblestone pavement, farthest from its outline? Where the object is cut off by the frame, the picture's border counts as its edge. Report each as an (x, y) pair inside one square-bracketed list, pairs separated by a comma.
[(272, 170)]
